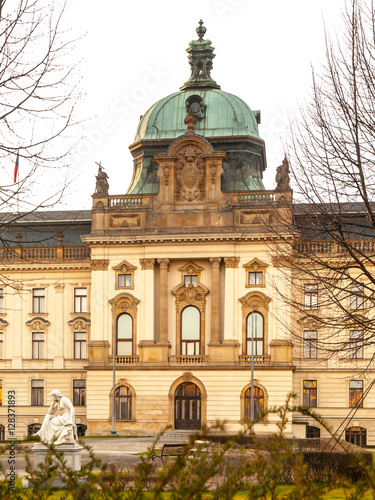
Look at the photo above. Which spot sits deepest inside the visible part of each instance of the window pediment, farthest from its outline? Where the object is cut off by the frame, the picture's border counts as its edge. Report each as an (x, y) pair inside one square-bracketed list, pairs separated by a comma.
[(124, 266), (255, 265), (79, 324), (190, 268), (191, 294), (37, 324)]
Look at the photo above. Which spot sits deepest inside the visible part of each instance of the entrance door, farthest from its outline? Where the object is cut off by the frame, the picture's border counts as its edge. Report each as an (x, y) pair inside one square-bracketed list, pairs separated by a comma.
[(187, 407)]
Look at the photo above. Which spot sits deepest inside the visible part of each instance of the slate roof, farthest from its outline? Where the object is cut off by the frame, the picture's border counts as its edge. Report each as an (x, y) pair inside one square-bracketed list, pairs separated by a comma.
[(40, 228)]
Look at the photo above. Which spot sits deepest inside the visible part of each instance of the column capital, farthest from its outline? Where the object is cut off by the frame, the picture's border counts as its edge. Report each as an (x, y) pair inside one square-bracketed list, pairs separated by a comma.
[(231, 262), (164, 264), (215, 262), (147, 263)]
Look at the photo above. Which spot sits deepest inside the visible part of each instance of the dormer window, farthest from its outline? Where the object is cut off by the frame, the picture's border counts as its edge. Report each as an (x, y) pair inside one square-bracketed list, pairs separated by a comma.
[(191, 279), (255, 278), (124, 280), (124, 275), (255, 273)]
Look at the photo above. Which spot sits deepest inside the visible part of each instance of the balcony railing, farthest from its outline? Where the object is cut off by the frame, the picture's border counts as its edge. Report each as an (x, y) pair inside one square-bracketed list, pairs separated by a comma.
[(258, 360), (188, 360), (330, 247), (125, 360), (256, 197), (45, 254)]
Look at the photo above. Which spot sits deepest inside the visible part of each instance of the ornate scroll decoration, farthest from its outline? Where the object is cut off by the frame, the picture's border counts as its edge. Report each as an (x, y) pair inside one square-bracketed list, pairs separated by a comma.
[(190, 181)]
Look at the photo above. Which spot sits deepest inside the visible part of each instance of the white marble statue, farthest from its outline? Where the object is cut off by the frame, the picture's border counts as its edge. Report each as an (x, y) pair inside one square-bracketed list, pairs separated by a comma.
[(59, 424)]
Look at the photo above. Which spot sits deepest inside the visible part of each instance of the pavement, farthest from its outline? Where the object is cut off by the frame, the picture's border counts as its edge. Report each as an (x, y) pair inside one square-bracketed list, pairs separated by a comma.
[(121, 450)]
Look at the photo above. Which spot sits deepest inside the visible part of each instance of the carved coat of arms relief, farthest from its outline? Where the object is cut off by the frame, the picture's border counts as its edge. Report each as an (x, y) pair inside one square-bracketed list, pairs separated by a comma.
[(190, 175)]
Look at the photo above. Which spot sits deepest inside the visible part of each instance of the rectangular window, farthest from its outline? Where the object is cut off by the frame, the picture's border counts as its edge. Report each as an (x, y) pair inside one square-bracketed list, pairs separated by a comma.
[(255, 278), (356, 344), (80, 300), (37, 392), (1, 300), (38, 300), (1, 345), (190, 279), (310, 393), (310, 348), (38, 346), (124, 280), (79, 392), (356, 296), (311, 297), (79, 345), (356, 393)]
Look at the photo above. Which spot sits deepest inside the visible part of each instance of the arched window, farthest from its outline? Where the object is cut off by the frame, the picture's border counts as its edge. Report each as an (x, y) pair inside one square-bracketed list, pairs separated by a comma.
[(312, 432), (190, 331), (254, 321), (124, 335), (258, 402), (356, 435), (33, 428), (123, 403)]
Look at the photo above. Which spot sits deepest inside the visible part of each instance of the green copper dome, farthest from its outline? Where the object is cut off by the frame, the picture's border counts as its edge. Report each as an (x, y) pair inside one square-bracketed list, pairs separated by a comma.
[(223, 119), (224, 115)]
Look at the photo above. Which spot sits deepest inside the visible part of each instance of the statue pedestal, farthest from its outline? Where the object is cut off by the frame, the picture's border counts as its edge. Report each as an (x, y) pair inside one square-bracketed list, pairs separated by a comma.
[(71, 451)]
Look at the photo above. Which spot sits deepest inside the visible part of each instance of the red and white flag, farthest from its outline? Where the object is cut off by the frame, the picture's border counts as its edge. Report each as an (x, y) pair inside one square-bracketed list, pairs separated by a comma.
[(16, 167)]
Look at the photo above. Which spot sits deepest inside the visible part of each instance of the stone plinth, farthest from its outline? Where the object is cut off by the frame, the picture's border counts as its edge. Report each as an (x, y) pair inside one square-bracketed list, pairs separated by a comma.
[(71, 451)]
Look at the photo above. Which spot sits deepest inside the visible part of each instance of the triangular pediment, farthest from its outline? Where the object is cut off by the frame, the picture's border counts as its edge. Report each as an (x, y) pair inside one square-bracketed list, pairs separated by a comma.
[(124, 266), (255, 264), (190, 268)]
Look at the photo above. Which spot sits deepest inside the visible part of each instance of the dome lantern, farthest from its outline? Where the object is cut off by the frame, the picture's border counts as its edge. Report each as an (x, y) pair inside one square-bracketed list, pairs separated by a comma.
[(201, 54)]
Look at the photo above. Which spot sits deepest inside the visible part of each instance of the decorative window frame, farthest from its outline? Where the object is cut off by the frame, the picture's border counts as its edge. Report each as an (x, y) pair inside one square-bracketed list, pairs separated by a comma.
[(38, 324), (80, 324), (3, 329), (255, 266), (125, 303), (74, 314), (187, 377), (190, 296), (124, 268), (243, 417), (123, 383), (190, 269), (257, 302)]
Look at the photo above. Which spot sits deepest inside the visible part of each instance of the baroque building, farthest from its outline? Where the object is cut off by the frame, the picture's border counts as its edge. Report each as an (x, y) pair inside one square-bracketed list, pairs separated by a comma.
[(176, 284)]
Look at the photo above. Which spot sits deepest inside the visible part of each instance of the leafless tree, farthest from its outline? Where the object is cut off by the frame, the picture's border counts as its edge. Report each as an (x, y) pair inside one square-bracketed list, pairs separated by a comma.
[(332, 161), (37, 97)]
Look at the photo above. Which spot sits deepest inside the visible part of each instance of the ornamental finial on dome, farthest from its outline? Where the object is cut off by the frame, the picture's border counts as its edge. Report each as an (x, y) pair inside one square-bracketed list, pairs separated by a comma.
[(201, 54), (201, 30)]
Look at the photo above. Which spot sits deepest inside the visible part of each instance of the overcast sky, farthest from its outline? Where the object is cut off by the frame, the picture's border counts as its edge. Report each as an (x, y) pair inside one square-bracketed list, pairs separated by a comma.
[(134, 53)]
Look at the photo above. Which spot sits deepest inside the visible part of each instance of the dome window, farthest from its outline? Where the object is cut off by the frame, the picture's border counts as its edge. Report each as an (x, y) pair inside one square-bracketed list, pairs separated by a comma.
[(195, 104)]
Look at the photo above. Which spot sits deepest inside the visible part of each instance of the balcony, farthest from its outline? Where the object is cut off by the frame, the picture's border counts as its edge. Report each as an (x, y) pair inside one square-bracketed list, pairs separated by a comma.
[(258, 360), (188, 360), (45, 254), (124, 360)]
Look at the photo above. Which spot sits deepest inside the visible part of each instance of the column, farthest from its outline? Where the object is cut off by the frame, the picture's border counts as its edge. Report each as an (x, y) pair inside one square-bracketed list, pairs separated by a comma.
[(230, 298), (163, 316), (147, 330), (215, 300)]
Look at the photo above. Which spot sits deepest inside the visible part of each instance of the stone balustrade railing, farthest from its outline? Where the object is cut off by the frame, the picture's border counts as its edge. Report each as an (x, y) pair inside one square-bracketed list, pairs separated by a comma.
[(333, 247), (125, 360), (188, 360), (44, 254), (128, 201), (255, 197), (258, 360)]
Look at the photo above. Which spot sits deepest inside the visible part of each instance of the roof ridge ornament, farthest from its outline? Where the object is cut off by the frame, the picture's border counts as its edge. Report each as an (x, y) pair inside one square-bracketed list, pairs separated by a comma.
[(201, 30), (201, 54), (190, 121)]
